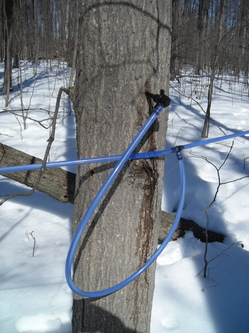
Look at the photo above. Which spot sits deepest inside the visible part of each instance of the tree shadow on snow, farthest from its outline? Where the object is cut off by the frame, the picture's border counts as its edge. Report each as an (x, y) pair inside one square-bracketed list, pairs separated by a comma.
[(225, 288)]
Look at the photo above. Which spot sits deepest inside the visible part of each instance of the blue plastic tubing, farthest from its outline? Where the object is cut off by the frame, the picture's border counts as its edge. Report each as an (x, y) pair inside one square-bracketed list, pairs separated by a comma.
[(105, 159), (109, 180), (122, 159), (150, 261)]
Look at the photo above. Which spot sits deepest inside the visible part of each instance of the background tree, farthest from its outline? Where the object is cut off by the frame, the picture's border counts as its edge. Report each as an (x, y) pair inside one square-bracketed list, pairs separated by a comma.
[(202, 35), (176, 57), (47, 29), (214, 61), (124, 51), (242, 38), (8, 22)]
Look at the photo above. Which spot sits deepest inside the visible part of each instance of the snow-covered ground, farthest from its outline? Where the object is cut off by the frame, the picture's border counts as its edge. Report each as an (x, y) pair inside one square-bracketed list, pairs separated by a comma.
[(34, 296)]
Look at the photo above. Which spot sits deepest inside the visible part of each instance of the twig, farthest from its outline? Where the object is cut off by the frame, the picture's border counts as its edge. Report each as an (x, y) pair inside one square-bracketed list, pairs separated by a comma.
[(37, 121), (218, 255), (234, 180), (190, 97), (220, 183), (25, 109), (34, 244), (50, 141), (212, 202)]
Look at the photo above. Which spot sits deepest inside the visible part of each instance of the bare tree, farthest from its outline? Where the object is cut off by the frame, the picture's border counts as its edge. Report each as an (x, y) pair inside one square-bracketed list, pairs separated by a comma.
[(124, 52), (75, 45), (176, 58), (8, 19), (1, 32), (214, 65), (242, 38), (202, 23)]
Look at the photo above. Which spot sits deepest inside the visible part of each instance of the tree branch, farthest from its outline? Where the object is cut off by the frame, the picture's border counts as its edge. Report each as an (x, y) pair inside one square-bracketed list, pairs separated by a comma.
[(190, 97), (33, 178)]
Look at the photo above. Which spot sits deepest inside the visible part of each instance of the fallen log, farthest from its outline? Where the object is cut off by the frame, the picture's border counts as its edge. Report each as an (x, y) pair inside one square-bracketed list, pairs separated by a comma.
[(60, 185), (186, 225), (56, 183)]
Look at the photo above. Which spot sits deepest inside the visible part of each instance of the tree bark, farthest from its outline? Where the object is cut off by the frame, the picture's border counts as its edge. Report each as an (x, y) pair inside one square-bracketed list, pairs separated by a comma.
[(125, 51)]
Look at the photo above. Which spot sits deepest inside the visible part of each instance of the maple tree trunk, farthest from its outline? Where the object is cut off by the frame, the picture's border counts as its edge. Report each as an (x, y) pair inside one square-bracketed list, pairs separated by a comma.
[(124, 52)]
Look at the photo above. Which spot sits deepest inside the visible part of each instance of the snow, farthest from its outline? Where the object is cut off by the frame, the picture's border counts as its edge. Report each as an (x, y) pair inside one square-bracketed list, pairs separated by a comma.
[(34, 296)]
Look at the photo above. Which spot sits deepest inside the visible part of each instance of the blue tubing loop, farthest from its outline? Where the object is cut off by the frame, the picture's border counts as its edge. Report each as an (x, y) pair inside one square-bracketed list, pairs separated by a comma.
[(105, 159), (131, 278), (109, 180)]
